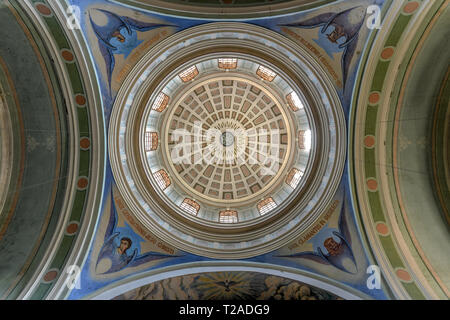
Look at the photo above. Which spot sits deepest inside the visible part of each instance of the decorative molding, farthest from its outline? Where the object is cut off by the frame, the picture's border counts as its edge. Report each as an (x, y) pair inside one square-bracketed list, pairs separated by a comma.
[(371, 114), (225, 11), (81, 206), (139, 280)]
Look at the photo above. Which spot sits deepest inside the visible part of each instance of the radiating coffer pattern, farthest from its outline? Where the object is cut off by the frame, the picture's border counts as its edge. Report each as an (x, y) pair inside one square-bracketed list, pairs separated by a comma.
[(249, 126)]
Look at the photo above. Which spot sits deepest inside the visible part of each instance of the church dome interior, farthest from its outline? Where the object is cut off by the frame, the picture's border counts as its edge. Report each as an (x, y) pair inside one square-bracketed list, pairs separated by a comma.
[(224, 150)]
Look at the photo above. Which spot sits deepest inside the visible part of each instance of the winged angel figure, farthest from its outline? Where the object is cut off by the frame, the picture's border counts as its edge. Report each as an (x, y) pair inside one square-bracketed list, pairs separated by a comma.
[(113, 255), (117, 36), (337, 249), (346, 24)]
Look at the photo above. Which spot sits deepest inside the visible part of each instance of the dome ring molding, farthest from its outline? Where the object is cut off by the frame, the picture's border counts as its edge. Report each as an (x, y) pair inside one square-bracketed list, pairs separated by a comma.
[(268, 232)]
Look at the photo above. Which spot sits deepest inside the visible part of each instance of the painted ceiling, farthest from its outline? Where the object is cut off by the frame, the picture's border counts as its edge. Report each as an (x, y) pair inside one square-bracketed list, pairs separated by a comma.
[(227, 286), (63, 218), (229, 2)]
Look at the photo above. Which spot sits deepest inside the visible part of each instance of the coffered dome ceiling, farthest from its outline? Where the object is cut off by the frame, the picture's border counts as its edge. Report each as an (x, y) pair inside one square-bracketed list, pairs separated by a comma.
[(218, 107), (216, 152), (228, 136)]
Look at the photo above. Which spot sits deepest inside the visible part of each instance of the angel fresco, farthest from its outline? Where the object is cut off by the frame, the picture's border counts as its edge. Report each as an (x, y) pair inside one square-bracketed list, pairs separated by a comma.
[(117, 36), (341, 31), (117, 254), (114, 256), (332, 248)]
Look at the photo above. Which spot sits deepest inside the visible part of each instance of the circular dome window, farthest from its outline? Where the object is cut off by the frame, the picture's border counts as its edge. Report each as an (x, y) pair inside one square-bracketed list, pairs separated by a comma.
[(229, 151)]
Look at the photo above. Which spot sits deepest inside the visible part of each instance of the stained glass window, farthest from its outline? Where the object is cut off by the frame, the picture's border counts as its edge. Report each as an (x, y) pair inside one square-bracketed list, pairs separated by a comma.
[(301, 139), (266, 73), (190, 206), (228, 216), (151, 141), (227, 63), (294, 177), (266, 205), (308, 138), (162, 179), (294, 101), (161, 102), (189, 74)]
